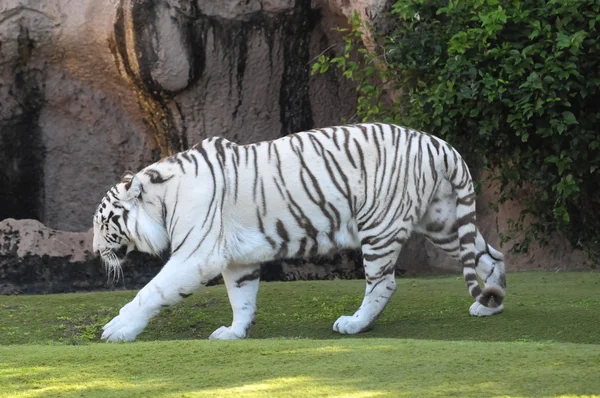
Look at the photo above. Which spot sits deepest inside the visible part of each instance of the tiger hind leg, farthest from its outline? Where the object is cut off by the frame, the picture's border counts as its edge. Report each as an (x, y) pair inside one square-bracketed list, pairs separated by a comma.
[(379, 262), (242, 287), (440, 227)]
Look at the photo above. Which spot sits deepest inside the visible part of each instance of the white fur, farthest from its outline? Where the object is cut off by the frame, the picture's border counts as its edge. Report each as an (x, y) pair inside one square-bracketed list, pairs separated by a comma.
[(153, 237), (243, 303), (477, 309), (217, 218), (350, 324), (125, 326)]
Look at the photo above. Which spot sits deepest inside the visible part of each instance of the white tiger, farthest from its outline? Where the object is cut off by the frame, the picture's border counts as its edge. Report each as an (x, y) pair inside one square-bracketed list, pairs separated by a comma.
[(223, 208)]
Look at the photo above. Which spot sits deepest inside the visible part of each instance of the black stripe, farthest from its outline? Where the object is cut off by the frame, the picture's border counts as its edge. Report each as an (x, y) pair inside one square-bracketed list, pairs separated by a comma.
[(174, 212), (115, 220), (255, 186), (465, 220), (249, 277), (156, 177), (467, 257), (281, 231), (347, 146), (195, 163), (467, 200), (261, 227), (478, 257), (180, 163), (487, 249), (374, 257), (442, 241), (302, 249), (183, 241), (467, 238)]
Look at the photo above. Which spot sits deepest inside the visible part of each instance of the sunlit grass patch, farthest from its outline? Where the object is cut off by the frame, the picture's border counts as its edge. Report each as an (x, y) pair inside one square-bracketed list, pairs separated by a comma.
[(301, 368)]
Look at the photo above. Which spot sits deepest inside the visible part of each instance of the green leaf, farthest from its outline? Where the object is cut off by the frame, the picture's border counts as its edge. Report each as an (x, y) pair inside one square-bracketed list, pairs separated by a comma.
[(569, 117), (315, 68), (563, 41)]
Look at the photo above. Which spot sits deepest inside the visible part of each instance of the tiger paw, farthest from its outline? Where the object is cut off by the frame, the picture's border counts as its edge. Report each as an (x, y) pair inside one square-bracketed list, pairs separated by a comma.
[(226, 333), (122, 328), (478, 309), (349, 325)]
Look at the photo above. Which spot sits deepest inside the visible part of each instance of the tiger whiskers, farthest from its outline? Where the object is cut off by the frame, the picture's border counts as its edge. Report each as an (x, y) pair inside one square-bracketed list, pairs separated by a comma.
[(112, 266)]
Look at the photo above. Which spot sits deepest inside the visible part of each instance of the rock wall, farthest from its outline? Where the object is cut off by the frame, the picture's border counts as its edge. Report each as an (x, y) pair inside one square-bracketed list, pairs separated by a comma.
[(37, 259), (89, 89), (68, 123)]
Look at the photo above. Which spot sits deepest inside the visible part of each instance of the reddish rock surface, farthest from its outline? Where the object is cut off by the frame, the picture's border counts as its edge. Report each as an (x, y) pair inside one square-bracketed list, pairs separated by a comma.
[(89, 89), (37, 259)]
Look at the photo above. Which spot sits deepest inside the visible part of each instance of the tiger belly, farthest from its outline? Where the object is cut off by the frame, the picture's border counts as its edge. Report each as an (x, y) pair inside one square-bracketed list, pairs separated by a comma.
[(251, 245)]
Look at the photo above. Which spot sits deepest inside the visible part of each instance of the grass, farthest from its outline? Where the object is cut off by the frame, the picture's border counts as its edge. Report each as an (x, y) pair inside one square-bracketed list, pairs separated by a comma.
[(301, 368), (561, 307), (424, 344)]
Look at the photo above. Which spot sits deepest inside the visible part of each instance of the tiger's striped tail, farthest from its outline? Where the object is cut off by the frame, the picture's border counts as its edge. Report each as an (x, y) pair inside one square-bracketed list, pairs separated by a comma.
[(492, 295)]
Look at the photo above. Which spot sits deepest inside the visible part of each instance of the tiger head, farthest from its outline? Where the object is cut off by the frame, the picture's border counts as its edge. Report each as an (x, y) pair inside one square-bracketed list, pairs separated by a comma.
[(122, 224)]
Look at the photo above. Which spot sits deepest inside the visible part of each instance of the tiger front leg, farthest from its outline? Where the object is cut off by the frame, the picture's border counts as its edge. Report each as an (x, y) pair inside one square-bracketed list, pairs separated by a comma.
[(176, 281), (242, 288)]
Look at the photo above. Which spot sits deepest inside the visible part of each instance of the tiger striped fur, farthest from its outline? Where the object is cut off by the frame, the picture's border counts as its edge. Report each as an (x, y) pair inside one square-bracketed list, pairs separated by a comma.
[(225, 208)]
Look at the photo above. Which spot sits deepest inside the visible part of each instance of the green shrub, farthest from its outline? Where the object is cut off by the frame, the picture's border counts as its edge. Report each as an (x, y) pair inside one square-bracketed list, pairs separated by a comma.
[(514, 85)]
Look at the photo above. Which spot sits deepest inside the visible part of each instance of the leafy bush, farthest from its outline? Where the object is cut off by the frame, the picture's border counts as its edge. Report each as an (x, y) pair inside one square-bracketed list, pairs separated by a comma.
[(514, 85)]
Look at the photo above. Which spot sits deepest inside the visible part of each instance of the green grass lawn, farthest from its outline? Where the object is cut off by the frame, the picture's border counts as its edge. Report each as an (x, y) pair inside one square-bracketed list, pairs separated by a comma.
[(546, 343)]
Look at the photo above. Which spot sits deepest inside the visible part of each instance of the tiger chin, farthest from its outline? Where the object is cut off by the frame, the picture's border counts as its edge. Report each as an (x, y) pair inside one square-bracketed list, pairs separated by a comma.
[(224, 208)]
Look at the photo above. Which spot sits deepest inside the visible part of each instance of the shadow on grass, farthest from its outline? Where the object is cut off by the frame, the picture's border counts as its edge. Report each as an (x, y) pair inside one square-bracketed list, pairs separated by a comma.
[(354, 367)]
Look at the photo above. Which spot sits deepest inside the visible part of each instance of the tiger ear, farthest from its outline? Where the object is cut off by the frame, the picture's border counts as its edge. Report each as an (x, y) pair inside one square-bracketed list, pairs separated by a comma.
[(126, 178), (133, 185)]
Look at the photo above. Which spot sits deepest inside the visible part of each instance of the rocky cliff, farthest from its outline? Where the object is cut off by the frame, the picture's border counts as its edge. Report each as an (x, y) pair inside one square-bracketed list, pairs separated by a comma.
[(91, 88)]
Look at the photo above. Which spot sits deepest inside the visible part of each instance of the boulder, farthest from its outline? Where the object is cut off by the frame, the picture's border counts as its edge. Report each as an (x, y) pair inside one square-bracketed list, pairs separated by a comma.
[(35, 259)]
